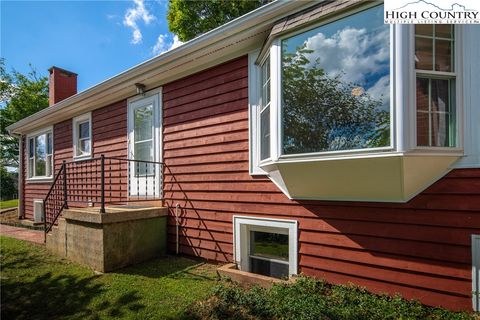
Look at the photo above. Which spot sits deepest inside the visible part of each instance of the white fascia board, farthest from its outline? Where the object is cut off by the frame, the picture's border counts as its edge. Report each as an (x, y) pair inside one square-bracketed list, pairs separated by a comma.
[(188, 53)]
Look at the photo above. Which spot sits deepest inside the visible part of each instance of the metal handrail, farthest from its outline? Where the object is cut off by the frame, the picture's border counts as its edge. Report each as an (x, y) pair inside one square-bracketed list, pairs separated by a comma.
[(87, 181)]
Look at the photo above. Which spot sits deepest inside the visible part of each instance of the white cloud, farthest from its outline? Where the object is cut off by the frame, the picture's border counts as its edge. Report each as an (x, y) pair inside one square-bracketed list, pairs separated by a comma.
[(355, 52), (164, 44), (356, 55), (133, 15)]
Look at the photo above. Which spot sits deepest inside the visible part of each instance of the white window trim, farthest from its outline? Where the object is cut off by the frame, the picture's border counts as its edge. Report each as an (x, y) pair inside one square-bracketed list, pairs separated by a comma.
[(402, 94), (475, 272), (39, 179), (241, 238), (75, 121), (254, 105), (457, 75)]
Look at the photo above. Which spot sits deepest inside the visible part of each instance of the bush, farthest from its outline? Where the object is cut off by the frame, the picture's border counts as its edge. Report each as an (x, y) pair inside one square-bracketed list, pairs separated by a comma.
[(308, 298)]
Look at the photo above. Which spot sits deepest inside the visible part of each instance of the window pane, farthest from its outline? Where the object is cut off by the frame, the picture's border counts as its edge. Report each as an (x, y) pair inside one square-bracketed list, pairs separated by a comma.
[(336, 85), (440, 130), (269, 268), (443, 31), (83, 147), (30, 168), (143, 125), (443, 55), (266, 83), (265, 134), (422, 129), (49, 164), (84, 130), (40, 155), (440, 95), (424, 29), (423, 54), (49, 143), (269, 245), (143, 151), (422, 94), (30, 148)]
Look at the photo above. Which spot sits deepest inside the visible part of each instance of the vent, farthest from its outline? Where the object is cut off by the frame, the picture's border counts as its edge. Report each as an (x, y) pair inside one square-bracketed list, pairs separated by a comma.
[(38, 211)]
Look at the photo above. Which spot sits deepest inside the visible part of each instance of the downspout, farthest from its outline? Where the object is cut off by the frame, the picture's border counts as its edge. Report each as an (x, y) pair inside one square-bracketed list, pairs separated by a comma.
[(20, 176), (177, 206)]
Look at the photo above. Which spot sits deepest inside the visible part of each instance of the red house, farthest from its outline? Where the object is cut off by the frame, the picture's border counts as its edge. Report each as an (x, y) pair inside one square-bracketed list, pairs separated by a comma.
[(303, 137)]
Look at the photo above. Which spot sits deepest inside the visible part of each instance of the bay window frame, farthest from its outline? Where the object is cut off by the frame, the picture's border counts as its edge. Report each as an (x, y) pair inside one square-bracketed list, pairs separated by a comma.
[(31, 176), (403, 128), (276, 129)]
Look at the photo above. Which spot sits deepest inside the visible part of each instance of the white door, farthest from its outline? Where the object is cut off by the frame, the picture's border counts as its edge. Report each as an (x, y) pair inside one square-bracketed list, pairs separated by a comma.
[(144, 146)]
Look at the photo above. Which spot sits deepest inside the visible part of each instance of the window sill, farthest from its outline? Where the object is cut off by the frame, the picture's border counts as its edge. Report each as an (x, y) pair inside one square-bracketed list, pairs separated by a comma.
[(375, 177), (82, 158), (40, 180)]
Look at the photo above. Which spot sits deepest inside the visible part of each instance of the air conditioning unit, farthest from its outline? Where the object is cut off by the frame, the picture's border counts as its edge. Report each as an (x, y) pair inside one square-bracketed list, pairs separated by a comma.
[(38, 211)]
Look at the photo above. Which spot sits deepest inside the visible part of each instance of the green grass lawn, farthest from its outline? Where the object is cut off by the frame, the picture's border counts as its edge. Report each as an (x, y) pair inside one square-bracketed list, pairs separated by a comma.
[(38, 285), (8, 204)]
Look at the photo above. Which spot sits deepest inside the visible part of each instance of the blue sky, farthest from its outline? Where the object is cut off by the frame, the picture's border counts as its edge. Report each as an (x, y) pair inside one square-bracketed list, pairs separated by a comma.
[(96, 39)]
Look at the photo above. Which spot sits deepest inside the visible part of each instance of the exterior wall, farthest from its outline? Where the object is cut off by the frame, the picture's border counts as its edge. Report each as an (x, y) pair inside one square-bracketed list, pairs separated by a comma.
[(420, 249), (109, 132)]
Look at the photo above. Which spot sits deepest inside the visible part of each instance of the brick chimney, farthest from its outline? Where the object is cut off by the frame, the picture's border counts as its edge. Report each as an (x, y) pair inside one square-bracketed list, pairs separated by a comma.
[(62, 84)]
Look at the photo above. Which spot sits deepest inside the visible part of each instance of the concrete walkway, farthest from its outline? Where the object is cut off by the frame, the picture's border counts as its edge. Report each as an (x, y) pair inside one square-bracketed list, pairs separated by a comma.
[(35, 236)]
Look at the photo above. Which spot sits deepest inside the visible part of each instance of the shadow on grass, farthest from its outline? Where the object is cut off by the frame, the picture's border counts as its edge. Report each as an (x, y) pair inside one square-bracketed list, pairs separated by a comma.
[(36, 285), (172, 267)]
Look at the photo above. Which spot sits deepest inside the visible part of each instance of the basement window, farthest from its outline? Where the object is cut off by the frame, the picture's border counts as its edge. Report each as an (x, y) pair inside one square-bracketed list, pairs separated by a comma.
[(266, 246), (82, 136), (40, 155)]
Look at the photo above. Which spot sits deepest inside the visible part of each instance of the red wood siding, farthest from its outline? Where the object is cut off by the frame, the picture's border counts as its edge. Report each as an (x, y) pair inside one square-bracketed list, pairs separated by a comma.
[(109, 132), (420, 249)]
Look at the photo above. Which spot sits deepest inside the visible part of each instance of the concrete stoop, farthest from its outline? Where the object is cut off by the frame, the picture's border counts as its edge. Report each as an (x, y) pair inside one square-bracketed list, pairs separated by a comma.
[(111, 240)]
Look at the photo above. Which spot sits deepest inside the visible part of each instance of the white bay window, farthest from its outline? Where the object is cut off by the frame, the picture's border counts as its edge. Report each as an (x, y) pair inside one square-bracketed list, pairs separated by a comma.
[(356, 110)]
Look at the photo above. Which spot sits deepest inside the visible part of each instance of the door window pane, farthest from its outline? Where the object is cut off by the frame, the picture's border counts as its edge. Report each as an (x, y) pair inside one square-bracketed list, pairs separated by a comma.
[(336, 85), (143, 123), (143, 151)]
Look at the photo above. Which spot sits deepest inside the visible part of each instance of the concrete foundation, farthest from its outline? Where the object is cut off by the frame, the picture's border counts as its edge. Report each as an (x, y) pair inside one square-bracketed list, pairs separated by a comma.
[(112, 240)]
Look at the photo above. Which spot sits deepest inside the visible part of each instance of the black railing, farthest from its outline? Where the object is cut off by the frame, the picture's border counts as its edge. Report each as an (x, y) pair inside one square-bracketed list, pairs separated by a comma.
[(99, 181)]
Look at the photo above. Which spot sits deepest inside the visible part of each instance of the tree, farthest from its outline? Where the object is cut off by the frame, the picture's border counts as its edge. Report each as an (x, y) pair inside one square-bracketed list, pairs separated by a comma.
[(325, 113), (8, 185), (21, 95), (188, 19)]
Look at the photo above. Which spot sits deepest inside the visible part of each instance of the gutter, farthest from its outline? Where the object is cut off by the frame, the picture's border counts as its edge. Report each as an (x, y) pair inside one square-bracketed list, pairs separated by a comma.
[(259, 17)]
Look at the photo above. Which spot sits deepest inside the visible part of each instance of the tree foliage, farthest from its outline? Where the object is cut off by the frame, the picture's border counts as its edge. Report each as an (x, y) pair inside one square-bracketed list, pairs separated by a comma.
[(322, 112), (188, 19), (8, 186), (21, 95)]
